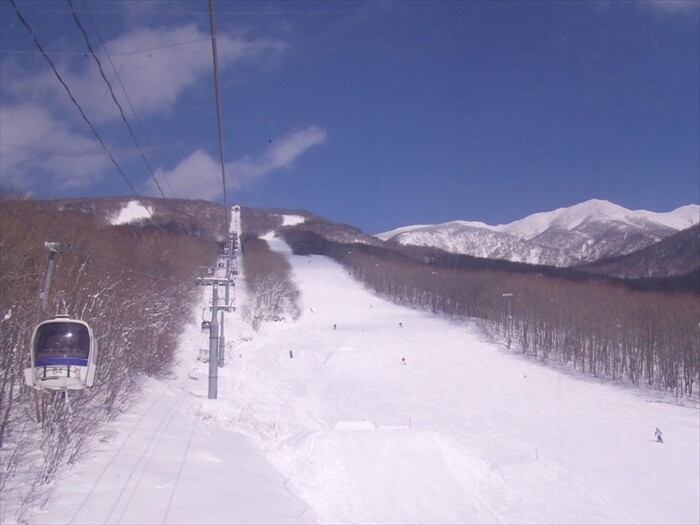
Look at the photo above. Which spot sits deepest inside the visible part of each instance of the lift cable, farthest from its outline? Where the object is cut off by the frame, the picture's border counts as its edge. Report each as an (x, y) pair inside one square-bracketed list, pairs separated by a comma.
[(79, 53), (218, 112), (70, 94), (114, 98), (126, 94), (82, 112)]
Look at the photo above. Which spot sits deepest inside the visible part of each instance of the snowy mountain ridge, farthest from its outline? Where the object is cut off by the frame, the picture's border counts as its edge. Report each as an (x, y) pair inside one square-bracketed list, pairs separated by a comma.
[(584, 232), (316, 424)]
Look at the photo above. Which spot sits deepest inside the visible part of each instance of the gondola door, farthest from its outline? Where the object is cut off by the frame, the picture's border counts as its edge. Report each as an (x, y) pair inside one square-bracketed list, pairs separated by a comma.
[(63, 355)]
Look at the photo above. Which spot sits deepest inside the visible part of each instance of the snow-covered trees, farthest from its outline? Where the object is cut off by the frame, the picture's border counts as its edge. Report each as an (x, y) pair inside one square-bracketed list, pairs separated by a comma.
[(133, 284), (273, 296), (597, 326)]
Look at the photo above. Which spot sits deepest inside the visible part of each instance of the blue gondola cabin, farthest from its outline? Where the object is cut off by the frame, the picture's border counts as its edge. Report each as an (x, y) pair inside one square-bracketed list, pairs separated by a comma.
[(64, 355)]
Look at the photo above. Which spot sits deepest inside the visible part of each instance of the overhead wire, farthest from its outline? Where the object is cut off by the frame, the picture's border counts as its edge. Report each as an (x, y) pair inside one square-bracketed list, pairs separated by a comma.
[(70, 95), (186, 12), (94, 131), (114, 98), (126, 94), (82, 113), (126, 53), (218, 111)]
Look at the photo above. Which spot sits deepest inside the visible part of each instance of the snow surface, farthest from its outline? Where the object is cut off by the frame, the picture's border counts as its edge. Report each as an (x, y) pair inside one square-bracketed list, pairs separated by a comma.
[(292, 220), (320, 424), (572, 217), (132, 212), (569, 218)]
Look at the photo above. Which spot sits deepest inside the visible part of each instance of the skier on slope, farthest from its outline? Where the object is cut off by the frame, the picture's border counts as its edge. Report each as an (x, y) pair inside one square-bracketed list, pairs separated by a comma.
[(658, 435)]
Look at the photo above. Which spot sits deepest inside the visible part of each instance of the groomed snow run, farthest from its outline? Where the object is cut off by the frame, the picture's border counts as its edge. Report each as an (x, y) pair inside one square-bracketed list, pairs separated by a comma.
[(316, 423), (132, 212), (293, 220)]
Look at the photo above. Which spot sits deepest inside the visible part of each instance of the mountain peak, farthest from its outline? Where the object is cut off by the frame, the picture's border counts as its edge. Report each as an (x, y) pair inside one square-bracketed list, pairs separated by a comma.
[(584, 232), (564, 218)]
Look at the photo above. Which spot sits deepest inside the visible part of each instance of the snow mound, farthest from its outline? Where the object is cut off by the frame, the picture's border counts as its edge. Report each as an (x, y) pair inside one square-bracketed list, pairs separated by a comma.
[(353, 426), (132, 212), (292, 220), (386, 477)]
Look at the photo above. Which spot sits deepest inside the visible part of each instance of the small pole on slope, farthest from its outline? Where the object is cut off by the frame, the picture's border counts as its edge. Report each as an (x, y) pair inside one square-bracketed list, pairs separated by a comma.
[(53, 248), (509, 320), (214, 344), (222, 342)]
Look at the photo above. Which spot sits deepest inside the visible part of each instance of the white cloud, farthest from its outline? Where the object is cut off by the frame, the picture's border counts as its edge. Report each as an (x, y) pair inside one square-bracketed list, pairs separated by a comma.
[(155, 66), (673, 6), (43, 143), (199, 175), (281, 154), (34, 144)]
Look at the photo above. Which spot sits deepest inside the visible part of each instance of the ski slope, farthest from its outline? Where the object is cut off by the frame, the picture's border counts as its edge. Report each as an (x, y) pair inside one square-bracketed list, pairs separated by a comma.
[(340, 431)]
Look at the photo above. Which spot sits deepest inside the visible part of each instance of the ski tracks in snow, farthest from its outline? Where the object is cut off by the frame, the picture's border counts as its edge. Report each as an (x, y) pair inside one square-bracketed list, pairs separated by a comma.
[(138, 455), (358, 474)]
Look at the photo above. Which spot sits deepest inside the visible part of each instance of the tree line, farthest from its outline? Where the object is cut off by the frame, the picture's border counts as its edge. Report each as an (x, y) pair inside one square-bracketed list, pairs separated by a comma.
[(272, 295), (594, 325), (132, 284)]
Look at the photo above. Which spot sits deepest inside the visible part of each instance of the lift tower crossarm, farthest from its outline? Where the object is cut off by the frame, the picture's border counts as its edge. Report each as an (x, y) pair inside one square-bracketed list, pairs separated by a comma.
[(215, 348), (53, 248)]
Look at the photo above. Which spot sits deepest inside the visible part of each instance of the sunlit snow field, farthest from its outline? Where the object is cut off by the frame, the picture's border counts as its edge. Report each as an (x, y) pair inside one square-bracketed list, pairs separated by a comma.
[(342, 432)]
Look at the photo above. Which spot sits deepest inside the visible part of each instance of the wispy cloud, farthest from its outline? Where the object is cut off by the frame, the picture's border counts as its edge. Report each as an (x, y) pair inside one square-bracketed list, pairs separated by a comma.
[(36, 149), (155, 66), (281, 154), (44, 139), (673, 6), (199, 174)]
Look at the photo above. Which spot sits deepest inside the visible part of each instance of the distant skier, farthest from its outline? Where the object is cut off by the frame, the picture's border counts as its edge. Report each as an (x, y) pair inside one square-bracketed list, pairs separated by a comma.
[(403, 360), (335, 327), (658, 435), (400, 324)]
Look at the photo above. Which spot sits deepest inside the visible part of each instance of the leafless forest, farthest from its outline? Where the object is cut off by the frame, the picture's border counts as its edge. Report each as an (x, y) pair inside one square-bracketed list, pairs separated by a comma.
[(133, 284), (273, 296), (596, 326)]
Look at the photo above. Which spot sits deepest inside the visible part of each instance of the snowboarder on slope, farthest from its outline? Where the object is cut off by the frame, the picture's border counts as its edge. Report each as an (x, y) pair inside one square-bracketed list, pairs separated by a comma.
[(658, 435)]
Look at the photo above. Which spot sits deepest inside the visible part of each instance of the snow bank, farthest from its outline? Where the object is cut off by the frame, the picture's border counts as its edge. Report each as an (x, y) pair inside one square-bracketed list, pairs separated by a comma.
[(487, 436), (481, 435), (292, 220), (132, 212)]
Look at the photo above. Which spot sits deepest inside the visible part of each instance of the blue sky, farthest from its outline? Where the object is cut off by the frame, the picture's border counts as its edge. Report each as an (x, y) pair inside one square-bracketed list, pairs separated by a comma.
[(375, 114)]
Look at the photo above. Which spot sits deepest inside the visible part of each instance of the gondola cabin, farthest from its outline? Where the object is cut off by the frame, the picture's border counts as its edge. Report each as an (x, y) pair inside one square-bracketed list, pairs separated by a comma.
[(64, 355)]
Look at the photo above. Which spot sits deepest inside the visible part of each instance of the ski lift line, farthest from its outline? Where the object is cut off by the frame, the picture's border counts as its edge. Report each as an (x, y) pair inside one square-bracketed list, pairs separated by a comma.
[(165, 10), (70, 95), (180, 469), (114, 98), (64, 153), (144, 460), (178, 12), (125, 53), (88, 254), (80, 109), (126, 94), (137, 426), (217, 92)]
